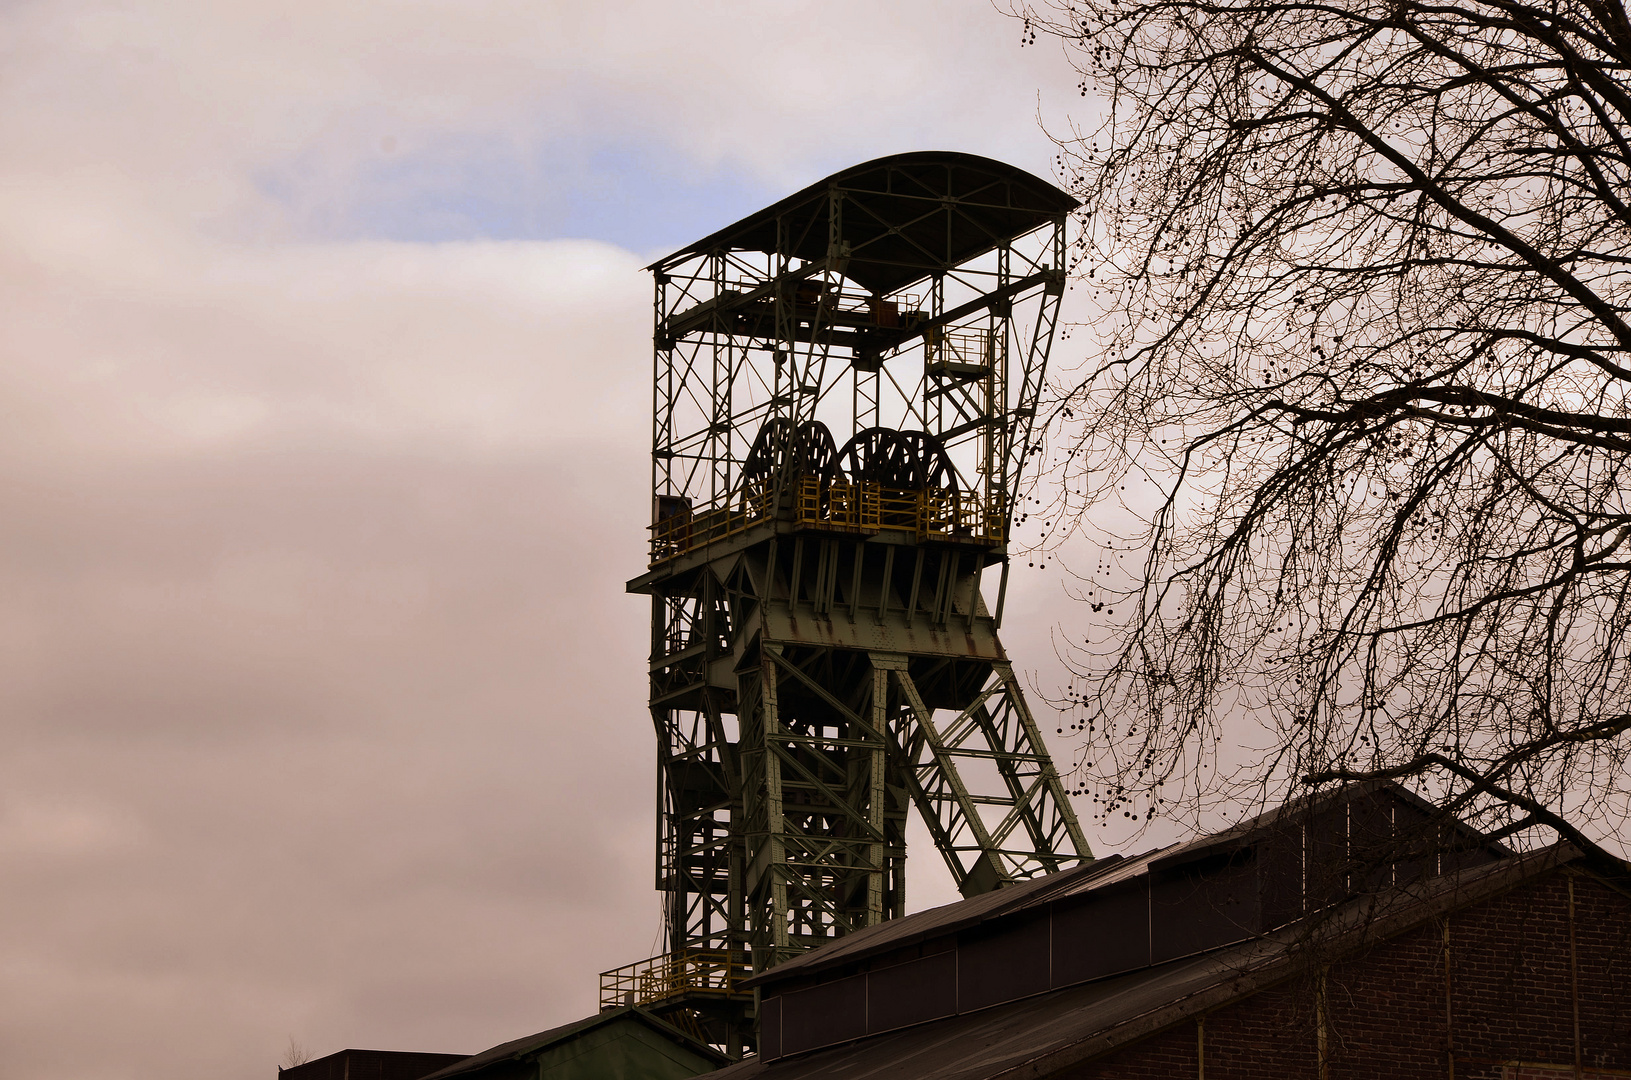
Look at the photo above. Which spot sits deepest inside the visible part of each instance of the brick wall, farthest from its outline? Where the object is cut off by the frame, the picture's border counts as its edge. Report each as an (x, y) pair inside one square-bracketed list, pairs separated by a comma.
[(1509, 1013)]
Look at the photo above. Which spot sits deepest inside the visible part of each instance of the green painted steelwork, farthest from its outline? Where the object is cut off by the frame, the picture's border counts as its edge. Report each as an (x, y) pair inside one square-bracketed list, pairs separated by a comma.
[(845, 388)]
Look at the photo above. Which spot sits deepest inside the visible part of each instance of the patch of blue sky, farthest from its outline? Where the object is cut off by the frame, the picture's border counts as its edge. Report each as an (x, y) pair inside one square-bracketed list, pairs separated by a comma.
[(645, 198)]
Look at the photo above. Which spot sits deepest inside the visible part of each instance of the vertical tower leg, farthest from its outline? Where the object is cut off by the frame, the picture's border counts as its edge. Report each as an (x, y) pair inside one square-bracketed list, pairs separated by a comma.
[(877, 853), (818, 830), (764, 820)]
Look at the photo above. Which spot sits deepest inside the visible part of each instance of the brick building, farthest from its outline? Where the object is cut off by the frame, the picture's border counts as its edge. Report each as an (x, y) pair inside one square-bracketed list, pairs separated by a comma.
[(1356, 936)]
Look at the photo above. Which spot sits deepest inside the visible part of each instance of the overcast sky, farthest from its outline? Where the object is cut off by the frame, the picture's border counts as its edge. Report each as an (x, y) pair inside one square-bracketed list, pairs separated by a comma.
[(325, 388)]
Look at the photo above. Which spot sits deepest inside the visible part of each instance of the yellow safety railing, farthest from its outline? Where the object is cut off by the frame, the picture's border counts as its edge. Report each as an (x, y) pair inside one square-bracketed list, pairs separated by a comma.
[(700, 971), (679, 533), (932, 514)]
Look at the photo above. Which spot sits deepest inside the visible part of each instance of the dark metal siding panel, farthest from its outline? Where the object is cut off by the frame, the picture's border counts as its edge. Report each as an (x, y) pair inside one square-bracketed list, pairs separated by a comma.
[(1107, 934), (911, 993), (1201, 907), (1012, 960), (770, 1028), (1416, 838), (1280, 874), (822, 1015), (1325, 858), (1373, 840), (924, 928)]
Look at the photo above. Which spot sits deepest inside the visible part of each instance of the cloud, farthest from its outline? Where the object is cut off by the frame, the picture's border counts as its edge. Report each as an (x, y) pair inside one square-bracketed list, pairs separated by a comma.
[(318, 669), (322, 465), (324, 712), (299, 118)]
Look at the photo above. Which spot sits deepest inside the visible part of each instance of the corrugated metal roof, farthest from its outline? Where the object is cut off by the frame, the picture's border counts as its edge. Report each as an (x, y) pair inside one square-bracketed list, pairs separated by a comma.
[(1053, 1030), (902, 226)]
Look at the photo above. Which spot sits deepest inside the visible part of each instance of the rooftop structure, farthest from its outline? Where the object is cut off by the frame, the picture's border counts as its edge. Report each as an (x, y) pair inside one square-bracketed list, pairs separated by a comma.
[(1356, 935), (624, 1043)]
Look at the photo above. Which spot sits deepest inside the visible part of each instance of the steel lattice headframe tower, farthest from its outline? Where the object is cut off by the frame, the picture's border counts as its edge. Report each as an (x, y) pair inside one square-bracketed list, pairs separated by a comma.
[(845, 387)]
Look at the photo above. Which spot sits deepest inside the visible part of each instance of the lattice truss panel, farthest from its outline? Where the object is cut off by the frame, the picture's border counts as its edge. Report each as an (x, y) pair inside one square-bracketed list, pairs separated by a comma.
[(825, 826)]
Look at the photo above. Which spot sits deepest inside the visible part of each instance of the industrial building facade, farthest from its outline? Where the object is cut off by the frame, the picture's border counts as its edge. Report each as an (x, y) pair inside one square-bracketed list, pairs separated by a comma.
[(1450, 958), (1363, 934), (1518, 986)]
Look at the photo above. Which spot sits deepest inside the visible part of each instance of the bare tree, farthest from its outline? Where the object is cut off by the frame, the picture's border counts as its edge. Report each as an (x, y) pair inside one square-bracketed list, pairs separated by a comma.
[(1363, 373), (294, 1054)]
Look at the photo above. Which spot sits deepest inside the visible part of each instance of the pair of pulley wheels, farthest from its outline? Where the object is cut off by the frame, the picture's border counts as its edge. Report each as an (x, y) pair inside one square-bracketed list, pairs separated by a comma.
[(897, 460)]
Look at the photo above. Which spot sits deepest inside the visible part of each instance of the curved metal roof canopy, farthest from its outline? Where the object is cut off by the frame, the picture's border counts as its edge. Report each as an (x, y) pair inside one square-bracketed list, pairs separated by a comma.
[(903, 217)]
